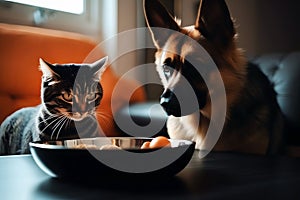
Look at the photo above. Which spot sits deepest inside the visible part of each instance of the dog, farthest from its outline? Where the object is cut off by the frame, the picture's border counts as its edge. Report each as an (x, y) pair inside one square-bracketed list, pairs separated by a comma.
[(253, 120)]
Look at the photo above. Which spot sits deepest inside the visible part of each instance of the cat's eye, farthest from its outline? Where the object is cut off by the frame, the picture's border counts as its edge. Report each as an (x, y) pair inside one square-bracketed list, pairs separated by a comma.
[(92, 96), (67, 96)]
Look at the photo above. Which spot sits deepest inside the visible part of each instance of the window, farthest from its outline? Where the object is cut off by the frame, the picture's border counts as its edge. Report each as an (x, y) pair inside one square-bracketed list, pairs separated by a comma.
[(70, 6), (23, 12)]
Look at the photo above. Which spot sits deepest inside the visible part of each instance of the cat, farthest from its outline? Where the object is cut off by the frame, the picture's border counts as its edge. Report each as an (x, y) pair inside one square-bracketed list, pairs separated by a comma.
[(70, 94)]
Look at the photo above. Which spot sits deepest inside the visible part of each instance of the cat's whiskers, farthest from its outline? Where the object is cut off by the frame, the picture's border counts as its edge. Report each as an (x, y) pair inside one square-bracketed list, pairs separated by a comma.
[(48, 117), (65, 120), (103, 116), (58, 124), (69, 122), (55, 120), (100, 113)]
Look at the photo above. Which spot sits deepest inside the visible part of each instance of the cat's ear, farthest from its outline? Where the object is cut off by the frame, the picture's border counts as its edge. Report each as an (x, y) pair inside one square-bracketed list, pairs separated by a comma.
[(47, 69), (99, 67)]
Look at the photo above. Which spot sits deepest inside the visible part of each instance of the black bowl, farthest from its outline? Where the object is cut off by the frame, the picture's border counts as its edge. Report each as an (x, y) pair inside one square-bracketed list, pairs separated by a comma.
[(104, 156)]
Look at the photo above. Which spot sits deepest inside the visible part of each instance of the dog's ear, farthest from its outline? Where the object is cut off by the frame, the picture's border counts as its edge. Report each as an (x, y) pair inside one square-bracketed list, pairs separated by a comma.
[(157, 16), (214, 22)]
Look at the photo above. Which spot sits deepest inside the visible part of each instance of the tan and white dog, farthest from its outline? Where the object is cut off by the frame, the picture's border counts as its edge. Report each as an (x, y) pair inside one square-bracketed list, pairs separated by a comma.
[(253, 119)]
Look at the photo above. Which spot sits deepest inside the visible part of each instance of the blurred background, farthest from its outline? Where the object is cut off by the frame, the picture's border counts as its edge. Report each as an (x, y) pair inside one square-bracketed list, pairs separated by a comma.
[(264, 26)]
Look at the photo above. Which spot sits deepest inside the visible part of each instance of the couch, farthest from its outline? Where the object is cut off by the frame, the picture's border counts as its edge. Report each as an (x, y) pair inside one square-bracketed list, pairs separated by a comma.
[(283, 71), (20, 78)]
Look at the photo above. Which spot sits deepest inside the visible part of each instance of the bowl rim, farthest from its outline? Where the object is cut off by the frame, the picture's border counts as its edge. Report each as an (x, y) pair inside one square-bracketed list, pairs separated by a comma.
[(42, 145)]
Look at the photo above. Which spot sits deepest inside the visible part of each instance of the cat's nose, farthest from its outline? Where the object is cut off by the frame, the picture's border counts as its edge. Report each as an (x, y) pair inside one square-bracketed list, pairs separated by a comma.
[(82, 108), (77, 116)]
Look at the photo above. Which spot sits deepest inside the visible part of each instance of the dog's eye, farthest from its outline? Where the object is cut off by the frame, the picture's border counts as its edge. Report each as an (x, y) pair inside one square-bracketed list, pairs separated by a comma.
[(167, 71)]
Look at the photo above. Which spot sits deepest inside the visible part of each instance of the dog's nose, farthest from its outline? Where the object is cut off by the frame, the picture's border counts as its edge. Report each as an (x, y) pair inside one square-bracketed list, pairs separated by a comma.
[(170, 103), (166, 97)]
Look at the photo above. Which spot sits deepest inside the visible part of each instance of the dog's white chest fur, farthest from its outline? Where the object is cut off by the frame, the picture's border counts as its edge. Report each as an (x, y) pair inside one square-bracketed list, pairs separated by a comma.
[(186, 127)]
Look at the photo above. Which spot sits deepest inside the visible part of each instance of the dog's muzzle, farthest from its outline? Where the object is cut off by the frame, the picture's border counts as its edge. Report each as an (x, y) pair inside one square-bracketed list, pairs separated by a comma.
[(170, 103), (173, 106)]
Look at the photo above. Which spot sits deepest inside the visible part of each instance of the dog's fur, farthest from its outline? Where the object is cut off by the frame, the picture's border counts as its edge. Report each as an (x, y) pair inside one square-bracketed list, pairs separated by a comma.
[(253, 119)]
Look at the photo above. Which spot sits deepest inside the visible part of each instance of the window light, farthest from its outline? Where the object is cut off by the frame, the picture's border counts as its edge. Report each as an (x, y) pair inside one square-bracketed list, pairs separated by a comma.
[(70, 6)]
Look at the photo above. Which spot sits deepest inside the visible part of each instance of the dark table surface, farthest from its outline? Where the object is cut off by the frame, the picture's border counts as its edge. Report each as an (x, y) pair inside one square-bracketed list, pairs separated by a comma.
[(217, 176)]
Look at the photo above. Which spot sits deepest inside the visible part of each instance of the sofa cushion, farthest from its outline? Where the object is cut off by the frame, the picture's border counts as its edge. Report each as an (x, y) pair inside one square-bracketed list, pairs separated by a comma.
[(283, 71)]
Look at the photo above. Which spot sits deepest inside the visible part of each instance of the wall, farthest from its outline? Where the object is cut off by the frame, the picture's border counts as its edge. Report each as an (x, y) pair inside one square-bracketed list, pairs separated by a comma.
[(264, 26), (274, 25)]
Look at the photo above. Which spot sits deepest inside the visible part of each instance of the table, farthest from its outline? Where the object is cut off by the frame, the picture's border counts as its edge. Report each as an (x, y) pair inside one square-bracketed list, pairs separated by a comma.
[(217, 176)]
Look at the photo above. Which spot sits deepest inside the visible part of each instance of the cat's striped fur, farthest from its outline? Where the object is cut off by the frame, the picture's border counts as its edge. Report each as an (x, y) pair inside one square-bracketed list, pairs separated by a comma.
[(70, 94)]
